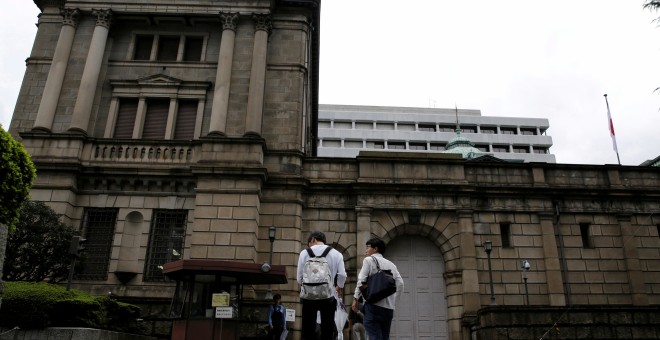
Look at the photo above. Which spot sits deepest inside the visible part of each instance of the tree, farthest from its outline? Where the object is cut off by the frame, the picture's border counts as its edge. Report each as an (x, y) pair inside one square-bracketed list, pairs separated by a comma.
[(652, 5), (38, 249), (17, 172)]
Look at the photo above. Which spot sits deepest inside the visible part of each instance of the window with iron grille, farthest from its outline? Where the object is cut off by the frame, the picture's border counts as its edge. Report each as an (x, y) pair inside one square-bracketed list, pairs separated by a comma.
[(505, 234), (98, 226), (166, 240)]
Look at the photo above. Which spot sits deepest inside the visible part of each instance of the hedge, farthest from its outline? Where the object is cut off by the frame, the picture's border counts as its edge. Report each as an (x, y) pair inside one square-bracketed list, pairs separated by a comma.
[(31, 305)]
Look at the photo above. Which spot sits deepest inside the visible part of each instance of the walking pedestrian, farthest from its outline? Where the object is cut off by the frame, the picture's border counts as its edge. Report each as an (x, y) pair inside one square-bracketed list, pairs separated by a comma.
[(377, 315)]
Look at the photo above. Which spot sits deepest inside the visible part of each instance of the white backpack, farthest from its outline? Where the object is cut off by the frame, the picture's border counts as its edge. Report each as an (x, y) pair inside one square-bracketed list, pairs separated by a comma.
[(317, 282)]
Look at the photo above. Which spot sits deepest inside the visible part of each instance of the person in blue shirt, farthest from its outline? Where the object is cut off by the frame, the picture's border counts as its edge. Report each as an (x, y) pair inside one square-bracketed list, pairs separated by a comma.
[(276, 318)]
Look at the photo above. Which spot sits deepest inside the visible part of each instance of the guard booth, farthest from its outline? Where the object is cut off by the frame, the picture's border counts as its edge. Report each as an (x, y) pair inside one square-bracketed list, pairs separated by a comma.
[(209, 296)]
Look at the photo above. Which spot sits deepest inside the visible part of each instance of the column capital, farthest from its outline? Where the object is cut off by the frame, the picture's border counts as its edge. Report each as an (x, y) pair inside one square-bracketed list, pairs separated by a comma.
[(262, 22), (229, 20), (71, 16), (103, 17)]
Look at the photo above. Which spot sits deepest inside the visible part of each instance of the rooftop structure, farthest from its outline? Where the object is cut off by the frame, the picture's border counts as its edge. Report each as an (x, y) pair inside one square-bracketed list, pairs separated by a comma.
[(345, 130)]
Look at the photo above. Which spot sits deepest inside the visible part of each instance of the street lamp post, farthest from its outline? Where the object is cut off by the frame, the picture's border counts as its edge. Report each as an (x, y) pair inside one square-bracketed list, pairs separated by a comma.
[(525, 267), (271, 237), (488, 247)]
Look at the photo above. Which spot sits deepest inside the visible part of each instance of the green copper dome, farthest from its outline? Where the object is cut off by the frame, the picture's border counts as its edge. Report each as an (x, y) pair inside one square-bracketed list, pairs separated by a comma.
[(463, 146)]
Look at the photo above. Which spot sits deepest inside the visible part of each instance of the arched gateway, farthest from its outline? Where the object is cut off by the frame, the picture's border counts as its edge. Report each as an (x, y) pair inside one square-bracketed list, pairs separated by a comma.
[(421, 312)]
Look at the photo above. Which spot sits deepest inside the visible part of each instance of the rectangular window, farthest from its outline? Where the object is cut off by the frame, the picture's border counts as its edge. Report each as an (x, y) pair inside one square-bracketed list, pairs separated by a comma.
[(98, 226), (521, 149), (155, 119), (353, 144), (540, 150), (405, 127), (142, 49), (469, 129), (186, 116), (377, 145), (166, 240), (126, 118), (500, 148), (437, 147), (193, 49), (446, 128), (168, 48), (417, 146), (528, 131), (488, 130), (481, 147), (384, 126), (396, 145), (364, 125), (505, 234), (426, 127), (508, 131), (343, 125), (331, 143), (586, 235)]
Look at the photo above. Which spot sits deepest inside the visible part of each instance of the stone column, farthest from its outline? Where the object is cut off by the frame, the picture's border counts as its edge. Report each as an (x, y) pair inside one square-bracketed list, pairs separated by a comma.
[(633, 267), (51, 94), (220, 104), (363, 232), (255, 105), (468, 251), (90, 77), (553, 275)]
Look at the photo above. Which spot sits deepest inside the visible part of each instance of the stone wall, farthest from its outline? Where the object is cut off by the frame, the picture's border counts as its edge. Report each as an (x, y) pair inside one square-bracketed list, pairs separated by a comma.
[(583, 322)]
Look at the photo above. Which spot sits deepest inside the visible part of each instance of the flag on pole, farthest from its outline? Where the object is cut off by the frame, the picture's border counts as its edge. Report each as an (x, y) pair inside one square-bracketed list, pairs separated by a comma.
[(611, 126)]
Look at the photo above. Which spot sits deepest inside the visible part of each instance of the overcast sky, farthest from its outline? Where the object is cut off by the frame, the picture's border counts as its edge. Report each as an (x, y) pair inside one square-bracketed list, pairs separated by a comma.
[(510, 58)]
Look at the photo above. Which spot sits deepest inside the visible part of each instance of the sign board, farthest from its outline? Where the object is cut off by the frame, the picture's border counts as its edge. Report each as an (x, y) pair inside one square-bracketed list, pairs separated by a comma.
[(220, 300), (224, 312), (290, 315)]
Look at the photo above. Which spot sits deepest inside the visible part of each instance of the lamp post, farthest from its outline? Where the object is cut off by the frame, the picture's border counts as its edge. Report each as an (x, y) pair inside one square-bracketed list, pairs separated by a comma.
[(525, 267), (271, 237), (488, 247)]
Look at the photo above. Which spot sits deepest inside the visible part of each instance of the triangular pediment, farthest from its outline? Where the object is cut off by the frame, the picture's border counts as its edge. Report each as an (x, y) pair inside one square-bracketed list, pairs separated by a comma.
[(158, 80)]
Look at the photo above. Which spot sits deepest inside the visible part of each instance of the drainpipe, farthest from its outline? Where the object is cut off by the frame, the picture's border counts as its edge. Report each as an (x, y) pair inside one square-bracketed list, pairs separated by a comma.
[(564, 269)]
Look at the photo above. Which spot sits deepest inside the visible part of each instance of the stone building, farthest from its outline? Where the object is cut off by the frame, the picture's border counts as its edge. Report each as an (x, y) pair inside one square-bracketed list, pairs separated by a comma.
[(183, 130), (345, 130)]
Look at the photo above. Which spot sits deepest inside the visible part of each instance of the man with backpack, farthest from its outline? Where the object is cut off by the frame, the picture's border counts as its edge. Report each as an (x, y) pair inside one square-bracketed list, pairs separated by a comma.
[(321, 275)]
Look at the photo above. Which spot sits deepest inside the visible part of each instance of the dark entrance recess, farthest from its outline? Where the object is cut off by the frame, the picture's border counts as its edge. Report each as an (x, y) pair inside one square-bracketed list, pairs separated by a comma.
[(197, 281)]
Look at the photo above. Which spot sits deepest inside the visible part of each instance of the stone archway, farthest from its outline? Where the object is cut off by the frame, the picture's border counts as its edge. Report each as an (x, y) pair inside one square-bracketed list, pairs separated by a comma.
[(421, 312)]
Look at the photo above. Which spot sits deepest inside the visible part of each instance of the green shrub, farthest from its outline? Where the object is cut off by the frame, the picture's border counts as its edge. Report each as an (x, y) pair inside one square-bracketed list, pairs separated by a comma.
[(38, 305)]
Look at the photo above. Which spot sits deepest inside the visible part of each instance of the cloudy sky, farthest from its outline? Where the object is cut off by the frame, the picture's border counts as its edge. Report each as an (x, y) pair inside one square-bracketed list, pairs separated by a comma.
[(511, 58)]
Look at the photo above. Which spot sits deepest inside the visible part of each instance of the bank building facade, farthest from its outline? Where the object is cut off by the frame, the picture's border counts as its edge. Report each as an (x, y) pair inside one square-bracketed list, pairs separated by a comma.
[(180, 138)]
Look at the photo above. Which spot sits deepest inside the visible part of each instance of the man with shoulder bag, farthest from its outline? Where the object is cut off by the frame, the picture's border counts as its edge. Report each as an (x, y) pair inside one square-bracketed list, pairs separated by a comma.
[(375, 285)]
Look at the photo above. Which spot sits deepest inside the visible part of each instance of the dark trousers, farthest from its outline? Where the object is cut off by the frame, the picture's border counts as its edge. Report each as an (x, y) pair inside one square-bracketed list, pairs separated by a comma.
[(275, 333), (377, 321), (327, 308)]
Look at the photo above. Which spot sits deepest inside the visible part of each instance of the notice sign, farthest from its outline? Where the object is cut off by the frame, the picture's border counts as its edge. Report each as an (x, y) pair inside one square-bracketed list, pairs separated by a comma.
[(224, 312), (290, 315), (220, 300)]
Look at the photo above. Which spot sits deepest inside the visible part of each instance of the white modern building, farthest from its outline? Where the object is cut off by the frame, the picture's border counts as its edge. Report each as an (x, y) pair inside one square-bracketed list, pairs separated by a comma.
[(345, 130)]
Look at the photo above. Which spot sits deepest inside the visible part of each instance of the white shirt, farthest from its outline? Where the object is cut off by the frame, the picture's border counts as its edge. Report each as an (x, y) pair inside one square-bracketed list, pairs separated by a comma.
[(368, 268), (335, 263)]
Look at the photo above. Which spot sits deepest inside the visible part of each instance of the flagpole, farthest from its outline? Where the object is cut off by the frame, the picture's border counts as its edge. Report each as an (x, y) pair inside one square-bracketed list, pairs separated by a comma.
[(611, 126)]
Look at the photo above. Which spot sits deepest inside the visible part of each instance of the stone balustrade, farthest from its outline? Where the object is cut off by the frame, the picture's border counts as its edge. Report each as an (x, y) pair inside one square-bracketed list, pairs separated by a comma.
[(142, 152)]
